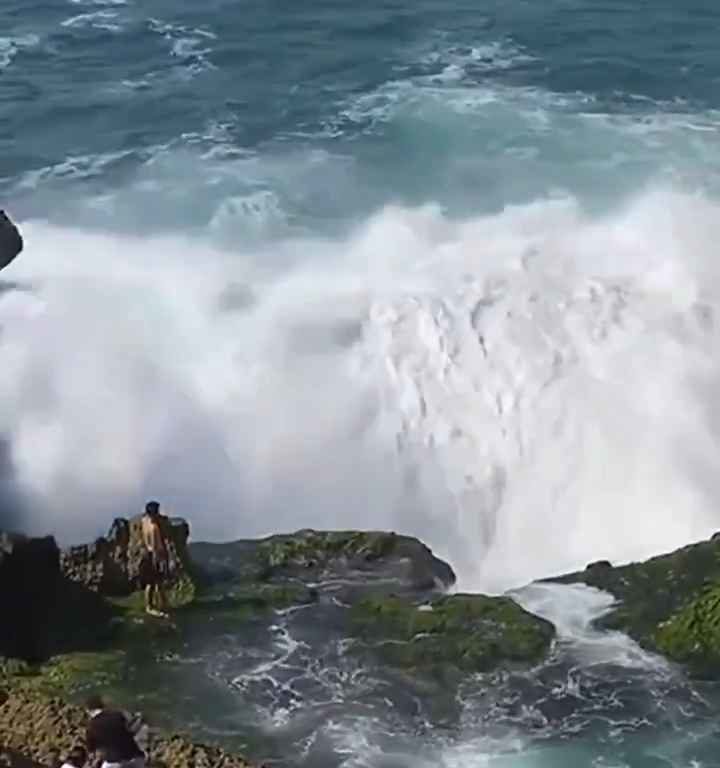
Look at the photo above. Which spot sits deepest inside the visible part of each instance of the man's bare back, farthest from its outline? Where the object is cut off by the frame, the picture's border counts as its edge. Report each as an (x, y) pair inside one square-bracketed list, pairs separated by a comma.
[(153, 568)]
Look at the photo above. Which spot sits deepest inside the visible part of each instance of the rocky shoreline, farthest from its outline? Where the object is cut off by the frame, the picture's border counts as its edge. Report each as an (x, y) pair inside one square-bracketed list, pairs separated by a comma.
[(78, 625), (33, 725)]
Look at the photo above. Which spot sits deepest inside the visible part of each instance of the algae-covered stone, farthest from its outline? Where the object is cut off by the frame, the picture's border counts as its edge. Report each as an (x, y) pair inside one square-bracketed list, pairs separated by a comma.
[(14, 668), (94, 670), (311, 548), (310, 555), (692, 635), (669, 603), (63, 675), (252, 599), (473, 633)]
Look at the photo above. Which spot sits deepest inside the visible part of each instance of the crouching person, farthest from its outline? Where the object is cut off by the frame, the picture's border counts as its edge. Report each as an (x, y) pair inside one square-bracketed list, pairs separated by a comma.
[(110, 738)]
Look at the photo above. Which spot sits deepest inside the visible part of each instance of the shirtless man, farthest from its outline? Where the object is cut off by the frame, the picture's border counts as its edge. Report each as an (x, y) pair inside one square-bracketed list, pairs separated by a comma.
[(153, 568)]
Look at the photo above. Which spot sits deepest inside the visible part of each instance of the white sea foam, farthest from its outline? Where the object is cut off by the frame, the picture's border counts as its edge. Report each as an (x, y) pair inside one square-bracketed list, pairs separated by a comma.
[(99, 2), (104, 19), (529, 390), (572, 609), (10, 46), (192, 45)]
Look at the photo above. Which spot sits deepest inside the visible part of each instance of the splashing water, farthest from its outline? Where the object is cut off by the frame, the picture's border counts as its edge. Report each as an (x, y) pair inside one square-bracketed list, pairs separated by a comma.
[(537, 381)]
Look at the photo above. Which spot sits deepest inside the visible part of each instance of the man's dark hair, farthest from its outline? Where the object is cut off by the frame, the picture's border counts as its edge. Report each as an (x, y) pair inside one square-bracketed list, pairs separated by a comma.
[(94, 702), (152, 508)]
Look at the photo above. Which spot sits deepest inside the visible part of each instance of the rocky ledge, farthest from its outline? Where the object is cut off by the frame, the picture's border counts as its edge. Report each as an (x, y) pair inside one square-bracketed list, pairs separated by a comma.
[(81, 627), (110, 565), (36, 726), (391, 594), (385, 599), (670, 604)]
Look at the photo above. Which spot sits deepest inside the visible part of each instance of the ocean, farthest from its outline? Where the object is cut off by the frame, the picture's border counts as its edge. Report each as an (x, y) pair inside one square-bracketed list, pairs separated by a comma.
[(447, 268)]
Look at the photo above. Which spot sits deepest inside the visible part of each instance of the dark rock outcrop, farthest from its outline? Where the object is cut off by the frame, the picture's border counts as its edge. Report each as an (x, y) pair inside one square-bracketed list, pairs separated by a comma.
[(11, 242), (373, 595), (42, 612), (111, 565), (29, 581), (386, 592), (367, 557)]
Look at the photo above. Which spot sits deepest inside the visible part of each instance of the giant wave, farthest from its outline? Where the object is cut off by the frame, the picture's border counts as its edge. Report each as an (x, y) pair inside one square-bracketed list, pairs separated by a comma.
[(527, 390)]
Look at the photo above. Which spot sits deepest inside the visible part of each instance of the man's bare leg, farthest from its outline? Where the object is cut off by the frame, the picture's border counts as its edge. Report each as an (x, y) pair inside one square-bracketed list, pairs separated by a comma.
[(149, 599), (162, 600), (151, 593)]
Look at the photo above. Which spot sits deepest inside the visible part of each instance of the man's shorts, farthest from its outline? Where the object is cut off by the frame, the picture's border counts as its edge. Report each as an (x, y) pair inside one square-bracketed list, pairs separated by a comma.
[(152, 570)]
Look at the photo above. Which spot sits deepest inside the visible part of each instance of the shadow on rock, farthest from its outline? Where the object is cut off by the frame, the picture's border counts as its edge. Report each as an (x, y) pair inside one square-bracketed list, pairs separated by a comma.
[(43, 611)]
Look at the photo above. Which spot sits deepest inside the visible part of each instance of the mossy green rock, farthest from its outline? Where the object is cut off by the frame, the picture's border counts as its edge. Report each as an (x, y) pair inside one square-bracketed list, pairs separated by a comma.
[(309, 555), (669, 603), (14, 668), (311, 548), (472, 633), (66, 675), (692, 635), (250, 599), (99, 670)]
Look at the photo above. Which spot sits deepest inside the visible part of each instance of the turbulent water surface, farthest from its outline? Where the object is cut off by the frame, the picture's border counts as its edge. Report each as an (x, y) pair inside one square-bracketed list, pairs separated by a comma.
[(443, 267)]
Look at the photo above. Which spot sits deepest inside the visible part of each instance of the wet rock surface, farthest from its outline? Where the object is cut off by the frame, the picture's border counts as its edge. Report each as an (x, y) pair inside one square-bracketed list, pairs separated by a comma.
[(34, 726), (43, 612), (29, 579), (384, 593), (111, 564), (339, 600), (669, 604), (280, 646), (369, 557)]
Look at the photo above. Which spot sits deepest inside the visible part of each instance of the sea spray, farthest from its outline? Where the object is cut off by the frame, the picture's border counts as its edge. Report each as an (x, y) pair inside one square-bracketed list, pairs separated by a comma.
[(499, 385)]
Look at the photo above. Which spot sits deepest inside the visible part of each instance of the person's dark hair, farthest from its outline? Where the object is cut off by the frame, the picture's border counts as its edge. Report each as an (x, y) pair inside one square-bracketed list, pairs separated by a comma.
[(94, 702), (78, 754), (152, 508)]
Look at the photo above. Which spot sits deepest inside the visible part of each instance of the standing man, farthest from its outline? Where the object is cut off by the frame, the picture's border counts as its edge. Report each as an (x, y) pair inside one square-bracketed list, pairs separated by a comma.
[(154, 565)]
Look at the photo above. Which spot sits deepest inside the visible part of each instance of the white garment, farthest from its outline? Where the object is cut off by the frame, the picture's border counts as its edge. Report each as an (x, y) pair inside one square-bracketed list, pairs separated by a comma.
[(138, 762)]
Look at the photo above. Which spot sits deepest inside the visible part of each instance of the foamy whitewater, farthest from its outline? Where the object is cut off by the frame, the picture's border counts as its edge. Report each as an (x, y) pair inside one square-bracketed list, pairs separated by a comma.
[(450, 270), (528, 390)]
